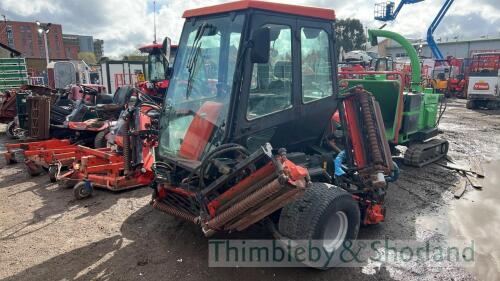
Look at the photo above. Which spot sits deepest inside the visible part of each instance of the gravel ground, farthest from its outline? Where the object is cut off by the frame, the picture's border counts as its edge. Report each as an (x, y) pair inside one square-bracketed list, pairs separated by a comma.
[(46, 235)]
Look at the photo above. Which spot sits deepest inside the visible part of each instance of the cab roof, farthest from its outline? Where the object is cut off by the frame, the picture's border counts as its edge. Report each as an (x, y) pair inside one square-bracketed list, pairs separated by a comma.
[(314, 12), (148, 48)]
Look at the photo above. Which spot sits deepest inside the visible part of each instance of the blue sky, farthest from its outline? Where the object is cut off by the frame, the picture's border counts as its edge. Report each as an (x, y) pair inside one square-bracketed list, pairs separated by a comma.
[(126, 24)]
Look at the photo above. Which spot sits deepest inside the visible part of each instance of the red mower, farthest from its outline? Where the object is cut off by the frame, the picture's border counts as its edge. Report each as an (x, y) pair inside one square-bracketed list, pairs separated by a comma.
[(127, 166), (42, 155)]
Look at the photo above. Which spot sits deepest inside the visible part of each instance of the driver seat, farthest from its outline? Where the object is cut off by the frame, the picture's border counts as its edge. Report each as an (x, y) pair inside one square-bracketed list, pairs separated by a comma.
[(200, 130)]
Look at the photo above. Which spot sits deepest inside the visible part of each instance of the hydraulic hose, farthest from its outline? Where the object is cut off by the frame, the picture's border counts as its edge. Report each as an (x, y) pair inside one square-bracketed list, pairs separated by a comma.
[(394, 174)]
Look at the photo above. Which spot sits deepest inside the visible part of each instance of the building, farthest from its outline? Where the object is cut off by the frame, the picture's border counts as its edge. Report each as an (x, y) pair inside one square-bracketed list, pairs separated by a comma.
[(456, 48), (71, 46), (24, 37), (98, 49)]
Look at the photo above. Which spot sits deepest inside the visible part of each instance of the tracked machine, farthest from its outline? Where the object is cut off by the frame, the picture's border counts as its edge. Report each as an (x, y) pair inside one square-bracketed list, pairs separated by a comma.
[(411, 113), (253, 129)]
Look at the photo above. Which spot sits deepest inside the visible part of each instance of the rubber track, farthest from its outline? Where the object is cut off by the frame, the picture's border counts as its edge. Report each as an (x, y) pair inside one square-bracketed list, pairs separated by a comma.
[(421, 154)]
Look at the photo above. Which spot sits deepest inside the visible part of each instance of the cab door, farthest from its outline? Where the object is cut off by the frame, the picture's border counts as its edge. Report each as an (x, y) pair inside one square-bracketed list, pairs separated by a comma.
[(266, 106), (317, 96)]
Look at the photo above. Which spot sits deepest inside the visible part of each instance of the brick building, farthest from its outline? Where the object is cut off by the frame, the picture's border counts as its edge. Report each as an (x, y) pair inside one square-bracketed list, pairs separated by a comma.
[(24, 37)]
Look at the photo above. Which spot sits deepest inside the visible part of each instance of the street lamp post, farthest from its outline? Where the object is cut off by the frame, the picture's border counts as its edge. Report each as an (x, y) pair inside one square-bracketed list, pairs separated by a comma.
[(44, 30)]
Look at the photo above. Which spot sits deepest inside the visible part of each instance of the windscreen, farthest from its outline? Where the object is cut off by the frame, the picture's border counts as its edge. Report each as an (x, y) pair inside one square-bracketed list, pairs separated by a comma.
[(156, 65), (197, 101)]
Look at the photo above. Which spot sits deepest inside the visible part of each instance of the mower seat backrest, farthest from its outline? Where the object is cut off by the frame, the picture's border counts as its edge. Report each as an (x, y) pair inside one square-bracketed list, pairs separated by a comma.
[(200, 130), (387, 94), (282, 70)]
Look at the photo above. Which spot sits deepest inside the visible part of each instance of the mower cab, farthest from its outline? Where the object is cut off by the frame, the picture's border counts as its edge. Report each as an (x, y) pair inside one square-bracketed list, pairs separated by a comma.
[(247, 128), (158, 64)]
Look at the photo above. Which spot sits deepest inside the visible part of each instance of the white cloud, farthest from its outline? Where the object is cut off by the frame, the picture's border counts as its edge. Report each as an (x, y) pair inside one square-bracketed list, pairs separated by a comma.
[(126, 24)]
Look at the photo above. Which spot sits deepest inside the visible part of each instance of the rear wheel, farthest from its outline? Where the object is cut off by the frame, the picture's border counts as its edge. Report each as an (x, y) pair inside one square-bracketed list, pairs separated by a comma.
[(469, 105), (325, 213), (53, 169), (83, 190)]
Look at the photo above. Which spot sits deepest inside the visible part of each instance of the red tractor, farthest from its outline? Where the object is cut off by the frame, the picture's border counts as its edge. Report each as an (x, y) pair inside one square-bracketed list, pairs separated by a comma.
[(248, 135)]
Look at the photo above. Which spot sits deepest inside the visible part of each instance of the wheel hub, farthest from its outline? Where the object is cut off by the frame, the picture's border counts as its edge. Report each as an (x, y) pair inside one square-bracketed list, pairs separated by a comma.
[(335, 231)]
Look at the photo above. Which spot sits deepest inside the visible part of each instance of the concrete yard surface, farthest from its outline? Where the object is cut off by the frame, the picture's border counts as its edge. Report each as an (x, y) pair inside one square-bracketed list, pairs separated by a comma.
[(45, 234)]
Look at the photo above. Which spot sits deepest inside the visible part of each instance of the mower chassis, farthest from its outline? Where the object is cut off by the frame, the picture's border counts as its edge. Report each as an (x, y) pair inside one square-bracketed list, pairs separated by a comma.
[(102, 168)]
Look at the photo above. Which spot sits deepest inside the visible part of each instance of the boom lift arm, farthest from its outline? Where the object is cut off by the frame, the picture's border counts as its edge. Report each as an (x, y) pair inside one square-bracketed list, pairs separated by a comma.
[(435, 23)]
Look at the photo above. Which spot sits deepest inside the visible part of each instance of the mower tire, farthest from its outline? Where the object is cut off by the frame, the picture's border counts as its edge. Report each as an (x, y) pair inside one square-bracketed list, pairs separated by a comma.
[(326, 215), (53, 169), (100, 140), (9, 131), (83, 190)]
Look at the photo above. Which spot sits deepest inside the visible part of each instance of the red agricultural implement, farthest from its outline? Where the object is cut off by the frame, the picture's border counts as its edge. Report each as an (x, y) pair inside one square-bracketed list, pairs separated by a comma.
[(128, 167)]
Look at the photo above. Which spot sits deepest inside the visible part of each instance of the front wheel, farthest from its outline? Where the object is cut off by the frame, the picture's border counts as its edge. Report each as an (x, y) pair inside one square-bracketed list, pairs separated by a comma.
[(83, 190), (326, 214)]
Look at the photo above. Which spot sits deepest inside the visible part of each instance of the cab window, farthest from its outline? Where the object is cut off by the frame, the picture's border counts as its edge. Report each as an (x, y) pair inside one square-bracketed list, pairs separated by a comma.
[(271, 85), (317, 77)]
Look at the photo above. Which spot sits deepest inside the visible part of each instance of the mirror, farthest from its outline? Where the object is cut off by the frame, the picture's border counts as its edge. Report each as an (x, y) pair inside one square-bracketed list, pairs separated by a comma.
[(165, 48), (153, 114), (261, 44)]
